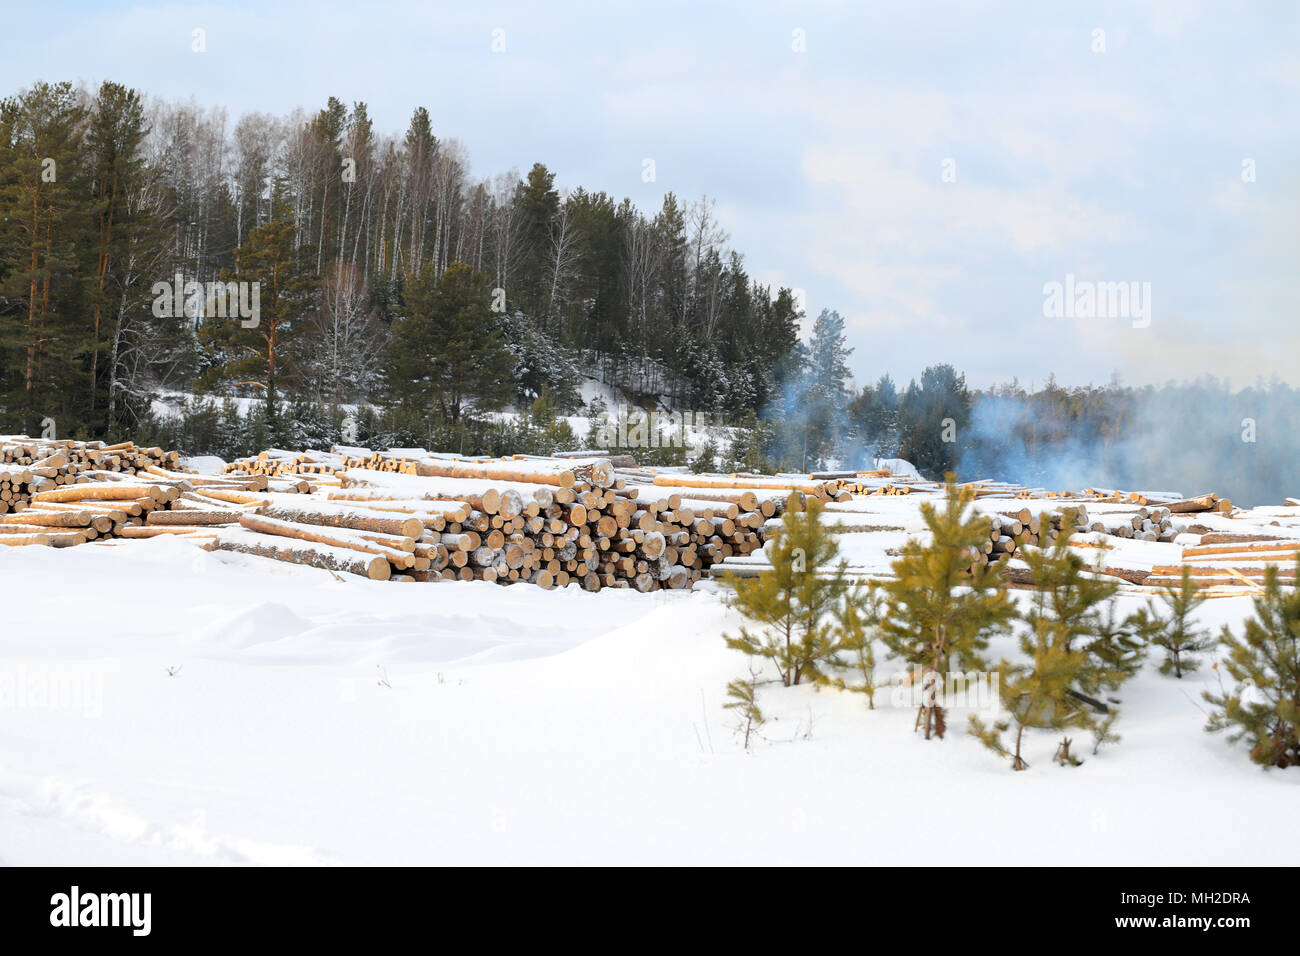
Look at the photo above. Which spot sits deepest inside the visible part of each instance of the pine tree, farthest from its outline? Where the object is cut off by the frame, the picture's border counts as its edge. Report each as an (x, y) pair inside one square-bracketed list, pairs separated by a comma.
[(114, 139), (1037, 694), (942, 605), (1077, 600), (789, 604), (261, 354), (45, 215), (1117, 648), (856, 620), (1175, 633), (742, 700), (1264, 707)]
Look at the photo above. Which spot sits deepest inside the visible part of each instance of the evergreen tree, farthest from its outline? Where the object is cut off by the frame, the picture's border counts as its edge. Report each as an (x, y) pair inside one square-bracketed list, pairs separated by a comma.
[(1118, 648), (1037, 694), (114, 139), (1073, 605), (1077, 601), (942, 605), (1264, 707), (45, 216), (825, 393), (1175, 633), (789, 605), (261, 354), (933, 419), (449, 350), (742, 700), (856, 620)]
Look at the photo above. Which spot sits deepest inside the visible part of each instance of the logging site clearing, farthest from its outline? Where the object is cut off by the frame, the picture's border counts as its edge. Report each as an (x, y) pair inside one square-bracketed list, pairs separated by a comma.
[(221, 668)]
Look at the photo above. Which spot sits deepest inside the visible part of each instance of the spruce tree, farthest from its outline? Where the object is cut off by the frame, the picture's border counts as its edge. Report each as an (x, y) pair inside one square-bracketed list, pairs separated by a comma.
[(1175, 633), (449, 350), (790, 604), (942, 605), (1264, 707)]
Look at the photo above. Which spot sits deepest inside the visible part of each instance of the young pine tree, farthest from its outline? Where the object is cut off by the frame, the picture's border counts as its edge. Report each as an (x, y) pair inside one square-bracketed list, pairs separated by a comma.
[(789, 605), (856, 620), (1265, 661), (1037, 694), (742, 700), (1117, 649), (1077, 602), (1176, 634), (941, 605)]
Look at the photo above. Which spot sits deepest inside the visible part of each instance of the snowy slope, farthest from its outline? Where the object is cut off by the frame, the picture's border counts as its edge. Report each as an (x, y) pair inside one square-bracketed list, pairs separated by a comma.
[(525, 726)]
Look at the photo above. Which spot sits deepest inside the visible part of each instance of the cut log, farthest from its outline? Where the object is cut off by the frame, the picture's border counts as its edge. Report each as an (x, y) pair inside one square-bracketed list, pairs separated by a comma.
[(308, 554)]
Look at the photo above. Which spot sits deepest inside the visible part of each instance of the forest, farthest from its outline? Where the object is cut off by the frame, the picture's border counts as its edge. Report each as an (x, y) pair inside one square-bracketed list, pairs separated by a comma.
[(405, 300)]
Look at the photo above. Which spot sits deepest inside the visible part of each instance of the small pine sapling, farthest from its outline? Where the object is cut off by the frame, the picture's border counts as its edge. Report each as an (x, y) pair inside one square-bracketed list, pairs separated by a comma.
[(1118, 650), (1077, 602), (856, 619), (1036, 695), (942, 604), (1102, 729), (1067, 591), (1264, 708), (1175, 633), (743, 702), (791, 603)]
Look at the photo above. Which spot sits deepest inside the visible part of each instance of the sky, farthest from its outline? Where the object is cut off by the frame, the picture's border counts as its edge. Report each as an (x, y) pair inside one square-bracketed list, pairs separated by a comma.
[(927, 170)]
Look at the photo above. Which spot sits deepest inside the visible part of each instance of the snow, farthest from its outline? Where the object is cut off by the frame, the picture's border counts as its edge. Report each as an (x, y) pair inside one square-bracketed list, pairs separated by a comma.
[(216, 708), (204, 464)]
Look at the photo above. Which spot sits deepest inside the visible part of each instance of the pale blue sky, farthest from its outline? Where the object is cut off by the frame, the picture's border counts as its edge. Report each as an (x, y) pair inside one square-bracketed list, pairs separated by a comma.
[(826, 164)]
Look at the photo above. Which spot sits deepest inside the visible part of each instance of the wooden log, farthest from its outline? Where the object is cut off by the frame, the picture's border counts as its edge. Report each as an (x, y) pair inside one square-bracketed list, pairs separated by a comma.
[(97, 491), (358, 519), (501, 471), (398, 549), (306, 553), (193, 517), (1204, 502), (21, 540)]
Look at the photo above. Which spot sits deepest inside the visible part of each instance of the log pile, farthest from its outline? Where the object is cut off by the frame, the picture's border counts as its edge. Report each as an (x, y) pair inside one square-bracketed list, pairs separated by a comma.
[(1144, 524), (29, 465), (1231, 564), (409, 514), (68, 493), (547, 521)]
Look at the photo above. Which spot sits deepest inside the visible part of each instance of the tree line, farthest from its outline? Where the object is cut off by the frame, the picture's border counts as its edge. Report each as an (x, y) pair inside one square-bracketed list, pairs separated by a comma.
[(364, 245)]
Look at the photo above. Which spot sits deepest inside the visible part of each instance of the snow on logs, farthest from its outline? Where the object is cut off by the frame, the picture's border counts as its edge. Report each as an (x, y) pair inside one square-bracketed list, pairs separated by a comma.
[(545, 521), (312, 554)]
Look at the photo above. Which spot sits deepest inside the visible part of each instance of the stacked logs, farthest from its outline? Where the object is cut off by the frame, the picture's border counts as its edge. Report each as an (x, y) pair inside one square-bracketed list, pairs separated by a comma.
[(65, 498), (1144, 524), (57, 460), (1011, 531), (547, 521), (1231, 563)]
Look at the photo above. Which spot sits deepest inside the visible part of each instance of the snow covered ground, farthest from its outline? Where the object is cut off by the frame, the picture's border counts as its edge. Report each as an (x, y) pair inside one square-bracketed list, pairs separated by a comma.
[(160, 704)]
